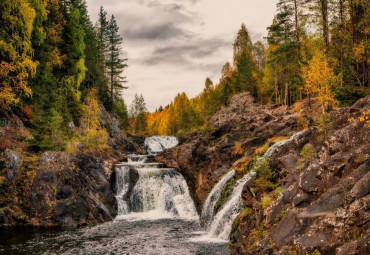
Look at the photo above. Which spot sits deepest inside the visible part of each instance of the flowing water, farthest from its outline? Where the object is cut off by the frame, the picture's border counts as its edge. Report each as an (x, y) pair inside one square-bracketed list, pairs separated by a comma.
[(220, 224), (156, 215)]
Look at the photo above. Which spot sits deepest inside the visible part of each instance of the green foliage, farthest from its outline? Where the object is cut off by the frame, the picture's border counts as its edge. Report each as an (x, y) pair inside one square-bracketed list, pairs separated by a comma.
[(120, 109), (234, 229), (325, 127), (226, 192), (138, 115), (268, 199), (264, 177), (306, 154), (114, 62), (348, 95), (316, 252), (261, 231)]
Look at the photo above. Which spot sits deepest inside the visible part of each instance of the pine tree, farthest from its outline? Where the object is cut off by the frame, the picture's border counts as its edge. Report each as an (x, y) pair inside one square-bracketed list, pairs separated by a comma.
[(102, 33), (282, 55), (74, 66), (115, 63)]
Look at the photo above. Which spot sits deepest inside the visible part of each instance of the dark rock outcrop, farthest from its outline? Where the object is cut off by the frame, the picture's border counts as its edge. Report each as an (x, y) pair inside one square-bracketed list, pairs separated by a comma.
[(67, 189)]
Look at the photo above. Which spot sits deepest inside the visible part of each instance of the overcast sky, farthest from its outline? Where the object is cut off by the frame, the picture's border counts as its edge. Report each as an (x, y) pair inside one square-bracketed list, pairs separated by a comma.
[(173, 45)]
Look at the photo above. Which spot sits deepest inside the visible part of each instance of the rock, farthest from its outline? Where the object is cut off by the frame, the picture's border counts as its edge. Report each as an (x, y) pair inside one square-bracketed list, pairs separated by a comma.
[(287, 230), (361, 189), (12, 164), (71, 189)]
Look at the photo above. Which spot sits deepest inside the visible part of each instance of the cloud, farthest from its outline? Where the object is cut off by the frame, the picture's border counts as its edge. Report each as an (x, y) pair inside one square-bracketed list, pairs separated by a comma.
[(163, 31), (186, 54), (173, 45)]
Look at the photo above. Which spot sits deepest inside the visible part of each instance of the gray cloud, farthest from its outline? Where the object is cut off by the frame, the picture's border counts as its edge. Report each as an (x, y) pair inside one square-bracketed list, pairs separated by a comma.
[(153, 32), (186, 54)]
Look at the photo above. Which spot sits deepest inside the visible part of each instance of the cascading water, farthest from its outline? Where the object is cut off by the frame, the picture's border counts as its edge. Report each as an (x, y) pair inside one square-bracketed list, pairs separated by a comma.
[(156, 144), (221, 223), (147, 189), (213, 197)]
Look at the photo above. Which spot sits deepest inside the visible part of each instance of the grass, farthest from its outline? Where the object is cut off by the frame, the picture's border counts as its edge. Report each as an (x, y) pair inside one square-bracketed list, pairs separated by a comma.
[(268, 199)]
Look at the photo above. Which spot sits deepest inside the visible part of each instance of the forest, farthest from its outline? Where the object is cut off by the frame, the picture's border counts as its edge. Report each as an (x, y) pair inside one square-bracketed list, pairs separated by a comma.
[(58, 69), (315, 49)]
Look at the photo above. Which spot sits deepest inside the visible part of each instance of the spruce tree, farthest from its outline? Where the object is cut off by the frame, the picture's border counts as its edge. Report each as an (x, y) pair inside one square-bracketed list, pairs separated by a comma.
[(115, 64)]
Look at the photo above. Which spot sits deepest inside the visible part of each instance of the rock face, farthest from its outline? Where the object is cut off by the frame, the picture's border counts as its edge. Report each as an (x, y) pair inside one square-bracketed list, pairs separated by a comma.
[(324, 206), (12, 164), (67, 189), (58, 188)]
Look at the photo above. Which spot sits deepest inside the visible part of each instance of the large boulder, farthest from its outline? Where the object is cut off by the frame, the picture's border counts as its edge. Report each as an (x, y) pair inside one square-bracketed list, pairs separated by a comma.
[(12, 164)]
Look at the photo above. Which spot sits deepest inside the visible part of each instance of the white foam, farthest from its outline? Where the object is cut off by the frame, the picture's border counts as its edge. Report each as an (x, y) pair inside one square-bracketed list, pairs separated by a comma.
[(156, 144)]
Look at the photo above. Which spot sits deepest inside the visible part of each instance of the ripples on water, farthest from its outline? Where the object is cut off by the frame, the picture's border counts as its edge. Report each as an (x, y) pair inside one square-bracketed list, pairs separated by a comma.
[(122, 236)]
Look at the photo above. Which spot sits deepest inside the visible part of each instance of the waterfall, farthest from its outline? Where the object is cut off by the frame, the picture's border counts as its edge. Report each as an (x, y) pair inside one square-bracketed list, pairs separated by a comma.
[(147, 189), (221, 224), (213, 197), (156, 144)]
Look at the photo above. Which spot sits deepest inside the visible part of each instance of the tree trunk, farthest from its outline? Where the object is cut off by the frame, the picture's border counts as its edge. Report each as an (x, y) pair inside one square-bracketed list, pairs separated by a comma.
[(276, 88), (286, 94), (352, 25), (325, 24), (112, 72), (296, 27)]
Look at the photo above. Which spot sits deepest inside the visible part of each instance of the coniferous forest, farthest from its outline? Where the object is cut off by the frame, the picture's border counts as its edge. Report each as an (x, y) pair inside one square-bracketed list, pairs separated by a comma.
[(57, 67)]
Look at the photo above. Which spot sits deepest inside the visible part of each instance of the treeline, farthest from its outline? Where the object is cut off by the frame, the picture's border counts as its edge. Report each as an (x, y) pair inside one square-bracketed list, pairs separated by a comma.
[(55, 66), (316, 49)]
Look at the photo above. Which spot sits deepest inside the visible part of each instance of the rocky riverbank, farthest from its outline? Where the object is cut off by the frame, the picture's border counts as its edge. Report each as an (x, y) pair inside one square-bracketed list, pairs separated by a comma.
[(322, 176), (58, 188)]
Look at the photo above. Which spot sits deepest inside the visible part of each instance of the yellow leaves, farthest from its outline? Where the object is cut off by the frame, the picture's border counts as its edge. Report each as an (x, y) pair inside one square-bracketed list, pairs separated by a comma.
[(364, 118), (28, 14), (319, 80), (93, 135), (359, 52), (16, 66), (7, 97)]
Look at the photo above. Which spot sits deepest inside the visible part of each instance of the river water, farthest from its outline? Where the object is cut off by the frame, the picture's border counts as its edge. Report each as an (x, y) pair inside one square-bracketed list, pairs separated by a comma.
[(121, 236), (156, 215)]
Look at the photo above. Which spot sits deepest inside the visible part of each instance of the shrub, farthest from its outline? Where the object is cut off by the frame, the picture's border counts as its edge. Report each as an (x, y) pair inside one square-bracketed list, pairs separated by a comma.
[(268, 199), (306, 155), (264, 176), (325, 126)]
